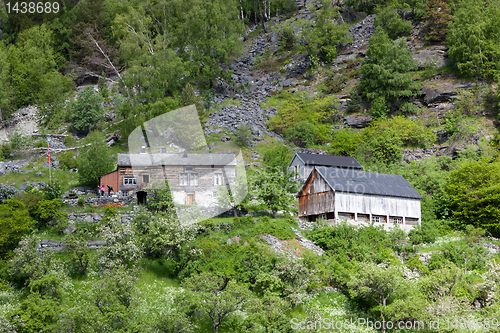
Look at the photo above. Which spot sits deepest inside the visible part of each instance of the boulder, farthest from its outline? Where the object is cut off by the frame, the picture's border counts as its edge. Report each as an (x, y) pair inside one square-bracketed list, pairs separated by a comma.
[(23, 186), (434, 57), (358, 121)]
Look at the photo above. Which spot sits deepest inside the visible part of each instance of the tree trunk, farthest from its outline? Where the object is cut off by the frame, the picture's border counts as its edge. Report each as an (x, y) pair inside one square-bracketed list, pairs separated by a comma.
[(235, 212), (274, 213)]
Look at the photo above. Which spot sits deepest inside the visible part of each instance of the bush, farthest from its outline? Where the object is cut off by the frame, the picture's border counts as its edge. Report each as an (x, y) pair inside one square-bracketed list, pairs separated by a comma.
[(345, 142), (393, 24), (15, 222), (379, 108), (6, 192), (244, 135), (67, 160), (52, 191), (302, 134), (278, 155)]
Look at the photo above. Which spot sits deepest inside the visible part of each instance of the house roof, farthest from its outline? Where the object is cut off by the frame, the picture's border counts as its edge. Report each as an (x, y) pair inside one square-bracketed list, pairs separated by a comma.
[(329, 161), (158, 159), (363, 182)]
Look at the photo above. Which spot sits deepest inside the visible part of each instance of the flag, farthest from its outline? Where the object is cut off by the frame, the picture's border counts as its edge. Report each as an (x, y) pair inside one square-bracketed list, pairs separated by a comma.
[(48, 153)]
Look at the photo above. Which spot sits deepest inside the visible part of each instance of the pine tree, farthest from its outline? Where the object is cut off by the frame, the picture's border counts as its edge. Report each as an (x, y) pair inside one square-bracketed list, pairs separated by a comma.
[(387, 70)]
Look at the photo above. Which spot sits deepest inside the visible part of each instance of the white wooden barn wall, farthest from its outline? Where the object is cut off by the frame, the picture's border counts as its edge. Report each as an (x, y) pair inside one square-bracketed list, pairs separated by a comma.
[(377, 205)]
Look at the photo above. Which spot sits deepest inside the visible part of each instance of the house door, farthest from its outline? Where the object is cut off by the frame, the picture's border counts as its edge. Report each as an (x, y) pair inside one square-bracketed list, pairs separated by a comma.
[(141, 198), (189, 198)]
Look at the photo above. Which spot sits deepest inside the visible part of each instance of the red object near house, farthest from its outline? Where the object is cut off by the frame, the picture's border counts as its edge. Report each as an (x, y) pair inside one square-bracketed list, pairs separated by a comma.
[(110, 179)]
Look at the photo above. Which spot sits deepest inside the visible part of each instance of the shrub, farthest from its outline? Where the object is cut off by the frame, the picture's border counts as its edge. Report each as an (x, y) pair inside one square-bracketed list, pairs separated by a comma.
[(244, 135), (302, 134), (278, 155), (393, 24), (67, 160), (379, 108)]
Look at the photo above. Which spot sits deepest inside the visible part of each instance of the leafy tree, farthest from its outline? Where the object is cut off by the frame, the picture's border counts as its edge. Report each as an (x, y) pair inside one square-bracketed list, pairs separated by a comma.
[(278, 155), (296, 277), (274, 189), (6, 93), (474, 193), (216, 296), (438, 16), (15, 222), (49, 212), (34, 69), (28, 263), (122, 246), (472, 38), (161, 234), (386, 71), (389, 19), (86, 112), (36, 314), (325, 35), (76, 245), (377, 284), (94, 160)]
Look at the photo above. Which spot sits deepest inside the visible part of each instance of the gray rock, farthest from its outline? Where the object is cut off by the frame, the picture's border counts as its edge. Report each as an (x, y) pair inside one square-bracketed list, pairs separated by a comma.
[(358, 121), (23, 186), (89, 219)]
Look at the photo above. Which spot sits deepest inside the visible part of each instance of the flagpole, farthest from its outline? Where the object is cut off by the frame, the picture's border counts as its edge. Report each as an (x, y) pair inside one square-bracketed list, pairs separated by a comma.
[(48, 161)]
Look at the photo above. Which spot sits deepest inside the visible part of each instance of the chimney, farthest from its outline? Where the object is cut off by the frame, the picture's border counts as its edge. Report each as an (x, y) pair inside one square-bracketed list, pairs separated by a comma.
[(185, 155), (143, 150)]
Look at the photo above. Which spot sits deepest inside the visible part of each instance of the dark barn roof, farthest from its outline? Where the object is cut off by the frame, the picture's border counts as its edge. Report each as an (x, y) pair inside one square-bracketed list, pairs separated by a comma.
[(330, 161), (363, 182), (159, 159)]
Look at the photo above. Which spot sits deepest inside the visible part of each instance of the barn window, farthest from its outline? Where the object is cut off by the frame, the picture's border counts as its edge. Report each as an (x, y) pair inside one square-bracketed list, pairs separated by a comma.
[(129, 181), (397, 220), (145, 179), (188, 168), (376, 219), (297, 172), (322, 216), (217, 178)]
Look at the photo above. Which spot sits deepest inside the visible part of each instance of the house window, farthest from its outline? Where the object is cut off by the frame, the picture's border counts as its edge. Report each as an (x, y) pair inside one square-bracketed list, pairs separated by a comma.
[(217, 178), (193, 179), (129, 181), (183, 179), (188, 168), (297, 172), (145, 179), (376, 219), (215, 194)]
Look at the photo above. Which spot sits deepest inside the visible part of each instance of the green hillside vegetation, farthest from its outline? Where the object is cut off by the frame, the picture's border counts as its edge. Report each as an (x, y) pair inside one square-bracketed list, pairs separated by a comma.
[(253, 272)]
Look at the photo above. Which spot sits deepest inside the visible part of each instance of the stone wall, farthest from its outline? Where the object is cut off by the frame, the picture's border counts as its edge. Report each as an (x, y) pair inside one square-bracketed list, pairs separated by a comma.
[(98, 200)]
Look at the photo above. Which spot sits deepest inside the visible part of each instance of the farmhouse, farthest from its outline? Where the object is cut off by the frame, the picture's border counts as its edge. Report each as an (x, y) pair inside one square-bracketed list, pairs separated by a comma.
[(193, 177), (302, 164), (359, 196)]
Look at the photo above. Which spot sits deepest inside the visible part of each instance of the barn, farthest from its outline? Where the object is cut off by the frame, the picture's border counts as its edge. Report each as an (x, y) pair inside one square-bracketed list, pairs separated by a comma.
[(302, 164), (359, 196)]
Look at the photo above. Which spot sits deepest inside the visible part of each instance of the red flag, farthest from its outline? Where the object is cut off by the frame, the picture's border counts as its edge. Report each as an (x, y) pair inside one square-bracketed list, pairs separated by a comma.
[(48, 153)]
